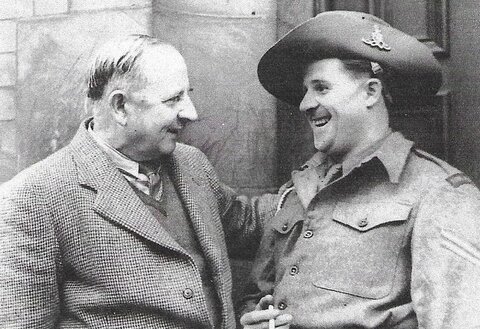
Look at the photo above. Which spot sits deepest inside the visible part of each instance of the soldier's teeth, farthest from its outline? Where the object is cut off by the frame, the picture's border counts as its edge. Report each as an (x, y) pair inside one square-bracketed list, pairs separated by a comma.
[(320, 122)]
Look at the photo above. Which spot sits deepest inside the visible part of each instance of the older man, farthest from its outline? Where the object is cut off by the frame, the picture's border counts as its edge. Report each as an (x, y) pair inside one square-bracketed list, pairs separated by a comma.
[(123, 227), (371, 232)]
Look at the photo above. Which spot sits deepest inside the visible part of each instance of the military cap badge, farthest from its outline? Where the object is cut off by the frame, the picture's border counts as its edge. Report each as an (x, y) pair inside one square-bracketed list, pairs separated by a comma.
[(376, 39)]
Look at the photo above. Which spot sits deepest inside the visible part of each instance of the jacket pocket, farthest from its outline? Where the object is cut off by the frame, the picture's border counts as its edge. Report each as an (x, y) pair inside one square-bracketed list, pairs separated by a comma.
[(286, 226), (361, 247), (287, 217)]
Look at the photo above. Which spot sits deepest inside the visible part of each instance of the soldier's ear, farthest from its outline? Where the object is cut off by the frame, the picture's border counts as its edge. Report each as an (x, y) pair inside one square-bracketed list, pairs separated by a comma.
[(116, 101), (374, 91)]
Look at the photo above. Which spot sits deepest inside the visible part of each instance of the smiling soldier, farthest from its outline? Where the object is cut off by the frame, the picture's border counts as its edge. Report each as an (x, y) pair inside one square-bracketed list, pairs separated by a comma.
[(371, 232)]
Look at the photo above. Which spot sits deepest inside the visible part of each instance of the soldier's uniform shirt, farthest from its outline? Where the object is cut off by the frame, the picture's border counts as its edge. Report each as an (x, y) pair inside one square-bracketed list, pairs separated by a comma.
[(394, 242)]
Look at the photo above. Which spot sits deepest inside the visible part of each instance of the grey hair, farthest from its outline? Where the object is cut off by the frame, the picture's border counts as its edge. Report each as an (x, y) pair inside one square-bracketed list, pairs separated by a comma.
[(115, 59)]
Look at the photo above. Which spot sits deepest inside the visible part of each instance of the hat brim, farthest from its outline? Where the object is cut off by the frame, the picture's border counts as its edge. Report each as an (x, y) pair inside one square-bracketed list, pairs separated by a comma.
[(339, 34)]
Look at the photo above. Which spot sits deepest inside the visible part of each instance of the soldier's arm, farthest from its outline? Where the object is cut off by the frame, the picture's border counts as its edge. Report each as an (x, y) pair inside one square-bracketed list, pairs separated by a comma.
[(243, 218), (446, 258)]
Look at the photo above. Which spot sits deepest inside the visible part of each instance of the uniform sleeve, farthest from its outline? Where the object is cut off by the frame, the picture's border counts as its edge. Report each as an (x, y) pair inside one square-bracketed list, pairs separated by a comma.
[(243, 217), (243, 220), (28, 288), (446, 258)]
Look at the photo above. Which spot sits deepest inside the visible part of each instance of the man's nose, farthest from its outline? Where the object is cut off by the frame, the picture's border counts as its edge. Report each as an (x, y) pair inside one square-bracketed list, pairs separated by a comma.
[(308, 102), (188, 110)]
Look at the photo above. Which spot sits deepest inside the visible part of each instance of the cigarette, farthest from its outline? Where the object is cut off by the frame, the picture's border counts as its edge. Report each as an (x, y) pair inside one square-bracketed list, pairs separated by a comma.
[(271, 322)]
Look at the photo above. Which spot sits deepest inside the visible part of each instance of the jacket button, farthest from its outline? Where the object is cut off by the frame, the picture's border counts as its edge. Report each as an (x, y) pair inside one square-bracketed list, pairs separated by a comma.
[(285, 227), (188, 293), (282, 306), (294, 270), (308, 234), (363, 222)]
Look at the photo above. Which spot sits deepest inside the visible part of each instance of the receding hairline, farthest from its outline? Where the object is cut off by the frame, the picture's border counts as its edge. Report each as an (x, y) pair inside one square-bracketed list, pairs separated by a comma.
[(120, 58)]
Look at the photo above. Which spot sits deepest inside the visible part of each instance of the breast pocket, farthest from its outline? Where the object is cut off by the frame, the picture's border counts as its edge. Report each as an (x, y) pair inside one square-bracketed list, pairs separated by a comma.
[(287, 226), (360, 248)]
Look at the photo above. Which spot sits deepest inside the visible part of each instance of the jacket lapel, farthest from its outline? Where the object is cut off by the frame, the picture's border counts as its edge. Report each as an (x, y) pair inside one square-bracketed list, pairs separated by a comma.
[(115, 199)]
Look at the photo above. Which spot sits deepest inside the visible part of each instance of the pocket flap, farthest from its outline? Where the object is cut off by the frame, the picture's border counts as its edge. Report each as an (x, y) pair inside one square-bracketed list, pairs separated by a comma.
[(291, 213), (365, 216)]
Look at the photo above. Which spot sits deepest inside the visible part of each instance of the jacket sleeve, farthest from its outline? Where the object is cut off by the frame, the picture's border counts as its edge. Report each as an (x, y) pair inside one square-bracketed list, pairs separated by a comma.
[(445, 285), (28, 291)]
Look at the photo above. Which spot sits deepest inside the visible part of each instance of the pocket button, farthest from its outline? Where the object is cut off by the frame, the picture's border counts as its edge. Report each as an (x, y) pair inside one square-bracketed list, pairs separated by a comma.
[(308, 234), (362, 222), (293, 270)]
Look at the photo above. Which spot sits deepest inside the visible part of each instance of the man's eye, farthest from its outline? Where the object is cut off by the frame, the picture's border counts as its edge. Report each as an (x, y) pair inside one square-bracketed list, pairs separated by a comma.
[(320, 88), (174, 99)]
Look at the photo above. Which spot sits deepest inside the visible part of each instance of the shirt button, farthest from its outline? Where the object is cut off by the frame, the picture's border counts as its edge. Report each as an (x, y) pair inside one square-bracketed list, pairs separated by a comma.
[(294, 270), (188, 293), (284, 227), (282, 306), (362, 222), (308, 234)]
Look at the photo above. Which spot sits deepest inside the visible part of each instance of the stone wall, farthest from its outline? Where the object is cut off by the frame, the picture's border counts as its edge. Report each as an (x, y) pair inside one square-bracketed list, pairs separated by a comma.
[(8, 115), (44, 46)]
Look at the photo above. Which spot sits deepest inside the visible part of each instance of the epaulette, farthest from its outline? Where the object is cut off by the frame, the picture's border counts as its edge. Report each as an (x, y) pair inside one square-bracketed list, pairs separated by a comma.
[(455, 177)]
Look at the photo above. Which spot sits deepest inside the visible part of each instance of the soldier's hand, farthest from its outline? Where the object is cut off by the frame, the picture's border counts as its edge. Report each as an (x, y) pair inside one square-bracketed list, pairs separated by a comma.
[(259, 318)]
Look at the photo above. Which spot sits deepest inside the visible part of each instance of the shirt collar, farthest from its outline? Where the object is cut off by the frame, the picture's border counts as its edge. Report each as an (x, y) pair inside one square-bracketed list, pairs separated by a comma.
[(392, 151), (122, 162)]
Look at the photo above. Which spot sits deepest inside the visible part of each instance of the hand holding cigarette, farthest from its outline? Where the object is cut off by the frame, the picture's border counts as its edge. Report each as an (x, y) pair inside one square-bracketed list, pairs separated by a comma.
[(271, 322), (265, 313)]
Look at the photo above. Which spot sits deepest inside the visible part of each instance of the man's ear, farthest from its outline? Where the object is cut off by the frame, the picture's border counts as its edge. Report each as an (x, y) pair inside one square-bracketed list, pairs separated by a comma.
[(116, 100), (374, 91)]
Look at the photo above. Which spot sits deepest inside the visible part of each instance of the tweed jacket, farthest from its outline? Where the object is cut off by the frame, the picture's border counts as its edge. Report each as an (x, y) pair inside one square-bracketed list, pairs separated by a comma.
[(78, 248)]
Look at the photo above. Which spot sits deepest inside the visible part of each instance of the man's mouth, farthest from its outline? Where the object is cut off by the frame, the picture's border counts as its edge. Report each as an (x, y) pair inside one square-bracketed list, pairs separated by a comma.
[(320, 121)]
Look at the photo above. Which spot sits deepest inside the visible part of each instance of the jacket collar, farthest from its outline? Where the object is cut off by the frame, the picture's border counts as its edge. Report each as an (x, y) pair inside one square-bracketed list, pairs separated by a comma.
[(115, 199)]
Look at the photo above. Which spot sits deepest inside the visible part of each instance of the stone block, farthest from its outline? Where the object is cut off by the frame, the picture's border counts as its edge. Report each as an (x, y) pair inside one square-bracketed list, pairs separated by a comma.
[(7, 9), (7, 104), (237, 127), (53, 59), (50, 7), (105, 4), (219, 8), (8, 137), (7, 69), (8, 150), (24, 8), (8, 40)]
